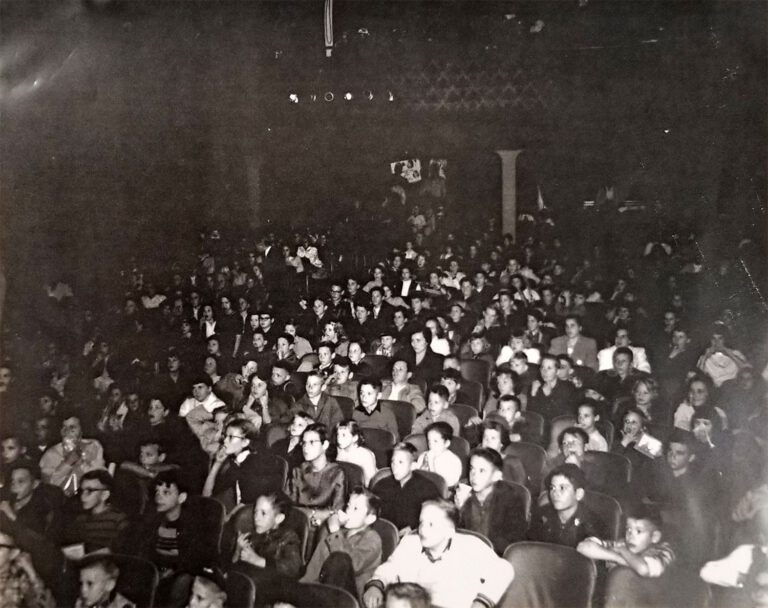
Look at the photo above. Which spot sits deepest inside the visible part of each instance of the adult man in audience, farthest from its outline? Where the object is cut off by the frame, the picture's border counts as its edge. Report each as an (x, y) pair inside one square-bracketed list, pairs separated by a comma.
[(581, 349), (65, 463), (399, 389), (458, 570)]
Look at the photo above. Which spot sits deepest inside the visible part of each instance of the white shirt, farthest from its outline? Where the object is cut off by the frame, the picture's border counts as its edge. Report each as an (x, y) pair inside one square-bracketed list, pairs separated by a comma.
[(639, 359), (210, 403)]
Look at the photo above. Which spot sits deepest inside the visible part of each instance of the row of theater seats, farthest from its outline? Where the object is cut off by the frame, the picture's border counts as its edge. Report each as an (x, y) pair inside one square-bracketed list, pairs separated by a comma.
[(546, 576)]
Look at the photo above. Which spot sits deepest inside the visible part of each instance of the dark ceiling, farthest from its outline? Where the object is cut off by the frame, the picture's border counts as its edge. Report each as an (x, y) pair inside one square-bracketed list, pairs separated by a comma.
[(136, 123)]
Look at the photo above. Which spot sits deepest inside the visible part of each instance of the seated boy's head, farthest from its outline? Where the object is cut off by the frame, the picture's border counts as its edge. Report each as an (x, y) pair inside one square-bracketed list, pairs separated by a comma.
[(573, 443), (24, 478), (565, 486), (342, 370), (451, 379), (325, 353), (95, 490), (505, 380), (495, 435), (12, 448), (170, 493), (439, 435), (406, 595), (280, 374), (206, 594), (509, 408), (680, 451), (362, 509), (97, 582), (437, 400), (587, 415), (270, 511), (452, 362), (485, 467), (238, 435), (151, 453), (157, 411), (402, 461), (643, 529), (300, 421)]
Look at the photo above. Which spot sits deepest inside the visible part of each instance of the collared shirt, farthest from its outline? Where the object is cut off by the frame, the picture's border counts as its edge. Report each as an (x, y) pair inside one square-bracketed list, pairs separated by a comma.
[(467, 570), (437, 558), (210, 403)]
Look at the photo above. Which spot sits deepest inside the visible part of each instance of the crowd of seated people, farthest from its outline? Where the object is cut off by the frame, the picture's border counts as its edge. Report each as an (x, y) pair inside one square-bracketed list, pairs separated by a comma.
[(276, 412)]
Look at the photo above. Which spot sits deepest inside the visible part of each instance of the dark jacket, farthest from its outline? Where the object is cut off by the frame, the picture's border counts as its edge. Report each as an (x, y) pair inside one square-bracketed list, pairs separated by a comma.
[(504, 522)]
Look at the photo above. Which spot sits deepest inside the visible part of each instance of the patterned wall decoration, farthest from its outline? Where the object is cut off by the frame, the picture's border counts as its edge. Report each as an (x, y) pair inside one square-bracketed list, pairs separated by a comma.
[(473, 86)]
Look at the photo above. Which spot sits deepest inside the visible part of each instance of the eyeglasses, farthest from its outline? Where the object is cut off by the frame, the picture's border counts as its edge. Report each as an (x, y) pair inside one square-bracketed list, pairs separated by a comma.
[(91, 490), (335, 290)]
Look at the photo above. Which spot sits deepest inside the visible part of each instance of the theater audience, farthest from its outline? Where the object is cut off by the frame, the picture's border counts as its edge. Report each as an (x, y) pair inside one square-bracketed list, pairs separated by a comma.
[(182, 396)]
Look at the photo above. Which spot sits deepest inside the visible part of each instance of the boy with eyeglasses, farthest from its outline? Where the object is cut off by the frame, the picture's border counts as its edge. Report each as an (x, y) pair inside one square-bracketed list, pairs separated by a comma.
[(239, 469), (99, 525)]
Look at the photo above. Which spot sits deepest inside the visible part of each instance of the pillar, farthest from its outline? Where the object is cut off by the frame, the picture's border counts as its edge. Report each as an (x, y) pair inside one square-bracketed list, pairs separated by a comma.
[(509, 190)]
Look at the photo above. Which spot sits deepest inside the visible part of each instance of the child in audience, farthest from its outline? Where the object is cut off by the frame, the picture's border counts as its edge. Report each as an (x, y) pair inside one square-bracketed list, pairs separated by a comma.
[(495, 436), (406, 595), (340, 383), (451, 379), (173, 539), (509, 409), (26, 501), (98, 525), (437, 411), (438, 458), (151, 459), (206, 594), (565, 520), (349, 532), (11, 449), (290, 447), (22, 585), (488, 505), (587, 415), (239, 469), (642, 549), (350, 448), (403, 493), (317, 485), (98, 582), (745, 566), (272, 549)]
